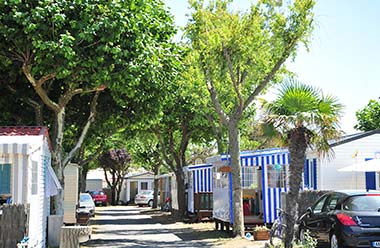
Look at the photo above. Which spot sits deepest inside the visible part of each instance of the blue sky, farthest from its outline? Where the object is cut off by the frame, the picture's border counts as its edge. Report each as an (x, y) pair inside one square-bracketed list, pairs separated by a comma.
[(344, 56)]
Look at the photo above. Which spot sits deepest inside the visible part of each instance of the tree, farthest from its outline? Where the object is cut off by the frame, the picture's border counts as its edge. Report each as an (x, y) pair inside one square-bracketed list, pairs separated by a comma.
[(146, 153), (369, 117), (183, 121), (240, 55), (302, 116), (65, 49), (115, 164)]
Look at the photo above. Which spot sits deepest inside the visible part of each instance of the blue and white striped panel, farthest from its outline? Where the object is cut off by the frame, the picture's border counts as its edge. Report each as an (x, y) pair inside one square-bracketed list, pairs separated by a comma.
[(202, 180), (265, 159), (272, 201)]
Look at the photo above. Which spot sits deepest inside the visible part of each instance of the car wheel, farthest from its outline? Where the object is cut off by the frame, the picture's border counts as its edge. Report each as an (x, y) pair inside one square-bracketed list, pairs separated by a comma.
[(140, 205), (104, 204), (150, 203), (334, 243)]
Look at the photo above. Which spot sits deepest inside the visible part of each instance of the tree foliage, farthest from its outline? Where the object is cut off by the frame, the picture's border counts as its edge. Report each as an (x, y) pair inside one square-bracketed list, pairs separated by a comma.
[(115, 164), (70, 48), (369, 117), (241, 54)]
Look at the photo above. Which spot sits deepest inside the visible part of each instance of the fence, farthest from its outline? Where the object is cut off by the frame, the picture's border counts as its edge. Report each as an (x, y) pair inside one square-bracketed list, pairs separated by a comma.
[(13, 222)]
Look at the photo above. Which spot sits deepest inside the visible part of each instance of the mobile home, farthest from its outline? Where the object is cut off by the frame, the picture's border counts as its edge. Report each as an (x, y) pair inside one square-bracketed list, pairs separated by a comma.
[(199, 190), (26, 176)]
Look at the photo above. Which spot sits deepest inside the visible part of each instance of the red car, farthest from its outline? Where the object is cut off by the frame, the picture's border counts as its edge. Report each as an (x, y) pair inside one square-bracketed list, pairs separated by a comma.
[(99, 197)]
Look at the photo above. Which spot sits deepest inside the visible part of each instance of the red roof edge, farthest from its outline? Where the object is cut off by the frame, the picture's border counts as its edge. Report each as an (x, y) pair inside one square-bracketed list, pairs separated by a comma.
[(23, 130), (26, 131)]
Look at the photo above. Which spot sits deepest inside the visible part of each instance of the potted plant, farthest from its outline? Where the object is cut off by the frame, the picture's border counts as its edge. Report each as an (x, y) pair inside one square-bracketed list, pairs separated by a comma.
[(261, 233)]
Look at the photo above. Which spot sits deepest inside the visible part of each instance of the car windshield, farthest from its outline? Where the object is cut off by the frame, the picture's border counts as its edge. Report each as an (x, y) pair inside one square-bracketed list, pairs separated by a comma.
[(147, 193), (97, 193), (363, 203), (85, 198)]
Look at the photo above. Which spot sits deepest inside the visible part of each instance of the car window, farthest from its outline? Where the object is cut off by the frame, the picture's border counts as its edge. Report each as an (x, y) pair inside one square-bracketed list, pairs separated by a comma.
[(362, 203), (85, 198), (319, 205), (332, 202)]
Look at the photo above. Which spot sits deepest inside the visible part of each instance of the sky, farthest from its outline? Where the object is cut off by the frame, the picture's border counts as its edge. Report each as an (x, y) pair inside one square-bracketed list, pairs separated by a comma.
[(344, 56)]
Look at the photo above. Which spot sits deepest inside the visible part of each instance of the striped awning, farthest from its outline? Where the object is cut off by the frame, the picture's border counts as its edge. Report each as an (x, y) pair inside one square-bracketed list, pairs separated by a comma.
[(263, 157)]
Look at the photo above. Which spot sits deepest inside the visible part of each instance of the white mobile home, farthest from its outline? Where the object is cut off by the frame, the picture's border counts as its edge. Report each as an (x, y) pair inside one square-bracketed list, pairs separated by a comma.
[(349, 150), (135, 184), (26, 175)]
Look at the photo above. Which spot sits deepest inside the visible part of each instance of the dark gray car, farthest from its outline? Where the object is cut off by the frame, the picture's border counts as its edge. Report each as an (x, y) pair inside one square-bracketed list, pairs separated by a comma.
[(344, 219)]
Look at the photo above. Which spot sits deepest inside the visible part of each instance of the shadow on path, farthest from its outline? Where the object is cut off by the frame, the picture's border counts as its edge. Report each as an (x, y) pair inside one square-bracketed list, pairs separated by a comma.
[(135, 227)]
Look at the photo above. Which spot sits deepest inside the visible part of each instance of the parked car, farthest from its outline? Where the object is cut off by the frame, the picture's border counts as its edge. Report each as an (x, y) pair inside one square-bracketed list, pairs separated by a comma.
[(86, 204), (99, 197), (344, 219), (144, 198)]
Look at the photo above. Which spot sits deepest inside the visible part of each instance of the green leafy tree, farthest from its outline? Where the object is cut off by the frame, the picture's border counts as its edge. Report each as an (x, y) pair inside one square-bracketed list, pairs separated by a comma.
[(183, 121), (369, 117), (240, 55), (146, 153), (70, 48), (115, 164), (301, 116)]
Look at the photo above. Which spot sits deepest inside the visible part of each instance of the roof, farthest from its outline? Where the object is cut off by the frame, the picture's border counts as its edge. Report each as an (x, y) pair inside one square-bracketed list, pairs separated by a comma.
[(148, 173), (26, 131), (23, 131), (352, 137), (353, 192)]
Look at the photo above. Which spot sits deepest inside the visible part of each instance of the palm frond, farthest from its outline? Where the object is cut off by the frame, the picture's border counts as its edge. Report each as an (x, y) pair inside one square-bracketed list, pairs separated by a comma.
[(300, 106)]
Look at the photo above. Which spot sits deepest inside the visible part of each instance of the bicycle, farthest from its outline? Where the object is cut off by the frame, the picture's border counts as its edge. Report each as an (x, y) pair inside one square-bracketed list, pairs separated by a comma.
[(278, 229)]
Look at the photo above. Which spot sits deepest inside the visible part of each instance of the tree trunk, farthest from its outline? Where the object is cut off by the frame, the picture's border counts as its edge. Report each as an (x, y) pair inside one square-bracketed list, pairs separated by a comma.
[(118, 188), (155, 194), (82, 179), (180, 193), (237, 196), (297, 149), (113, 195), (57, 161)]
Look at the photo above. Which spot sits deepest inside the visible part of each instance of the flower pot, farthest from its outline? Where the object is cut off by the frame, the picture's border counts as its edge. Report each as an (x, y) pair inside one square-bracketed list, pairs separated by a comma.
[(261, 235)]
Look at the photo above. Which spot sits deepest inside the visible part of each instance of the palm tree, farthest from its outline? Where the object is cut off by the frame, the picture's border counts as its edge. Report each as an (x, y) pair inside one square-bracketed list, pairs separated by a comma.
[(301, 116)]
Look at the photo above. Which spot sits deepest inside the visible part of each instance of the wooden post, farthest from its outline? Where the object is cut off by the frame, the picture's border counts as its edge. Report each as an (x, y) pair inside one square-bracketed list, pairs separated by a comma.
[(72, 235)]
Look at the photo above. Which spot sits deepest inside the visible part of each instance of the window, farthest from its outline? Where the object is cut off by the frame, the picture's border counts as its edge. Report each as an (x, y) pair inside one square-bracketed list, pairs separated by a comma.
[(311, 174), (34, 178), (249, 176), (5, 179), (221, 180), (276, 176), (366, 203), (332, 202), (319, 205), (144, 185)]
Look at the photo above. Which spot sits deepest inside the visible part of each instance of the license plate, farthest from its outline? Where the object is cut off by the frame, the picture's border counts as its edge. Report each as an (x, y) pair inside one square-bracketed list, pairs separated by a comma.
[(98, 202), (376, 243)]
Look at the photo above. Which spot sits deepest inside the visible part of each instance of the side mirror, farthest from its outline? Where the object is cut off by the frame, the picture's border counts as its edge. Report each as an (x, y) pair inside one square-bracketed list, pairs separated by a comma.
[(309, 211)]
